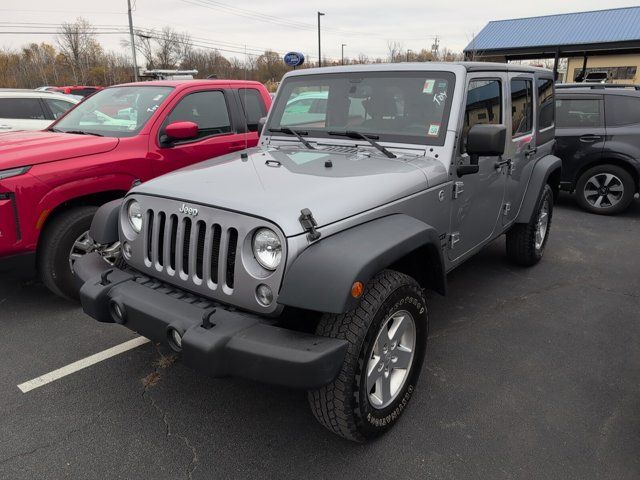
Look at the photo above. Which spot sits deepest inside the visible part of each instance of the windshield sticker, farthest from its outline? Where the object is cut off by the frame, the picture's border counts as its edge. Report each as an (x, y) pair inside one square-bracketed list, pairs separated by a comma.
[(300, 158), (440, 98), (428, 86), (152, 109), (434, 130)]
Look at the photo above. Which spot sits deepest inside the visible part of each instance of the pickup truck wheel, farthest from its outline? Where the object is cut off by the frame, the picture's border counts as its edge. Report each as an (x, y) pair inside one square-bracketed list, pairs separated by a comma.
[(387, 335), (526, 241), (605, 190), (59, 240)]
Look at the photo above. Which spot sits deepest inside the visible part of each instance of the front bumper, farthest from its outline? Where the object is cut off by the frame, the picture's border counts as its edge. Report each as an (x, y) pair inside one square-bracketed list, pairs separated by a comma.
[(231, 343)]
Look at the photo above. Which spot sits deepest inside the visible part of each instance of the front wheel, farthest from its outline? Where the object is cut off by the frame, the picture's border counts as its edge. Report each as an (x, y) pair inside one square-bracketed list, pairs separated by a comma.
[(526, 241), (386, 335)]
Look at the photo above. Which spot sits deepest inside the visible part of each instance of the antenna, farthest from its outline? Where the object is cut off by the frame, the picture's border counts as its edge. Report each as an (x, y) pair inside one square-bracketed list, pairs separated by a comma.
[(244, 103)]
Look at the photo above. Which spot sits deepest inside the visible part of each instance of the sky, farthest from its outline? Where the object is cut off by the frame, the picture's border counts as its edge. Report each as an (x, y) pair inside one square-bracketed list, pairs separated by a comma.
[(251, 26)]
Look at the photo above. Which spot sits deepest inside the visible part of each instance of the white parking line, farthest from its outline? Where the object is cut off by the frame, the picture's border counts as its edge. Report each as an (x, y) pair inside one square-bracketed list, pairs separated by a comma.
[(80, 364)]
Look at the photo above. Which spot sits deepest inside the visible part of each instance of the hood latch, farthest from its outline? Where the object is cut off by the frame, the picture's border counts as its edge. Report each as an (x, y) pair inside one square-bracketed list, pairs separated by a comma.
[(309, 224)]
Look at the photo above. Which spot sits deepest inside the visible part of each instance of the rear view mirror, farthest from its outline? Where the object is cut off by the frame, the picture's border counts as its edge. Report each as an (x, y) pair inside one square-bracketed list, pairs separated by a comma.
[(181, 131), (486, 140), (261, 124)]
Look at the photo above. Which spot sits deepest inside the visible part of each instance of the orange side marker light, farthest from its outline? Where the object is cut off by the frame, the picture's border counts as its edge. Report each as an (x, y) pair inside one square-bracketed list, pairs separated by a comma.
[(357, 289)]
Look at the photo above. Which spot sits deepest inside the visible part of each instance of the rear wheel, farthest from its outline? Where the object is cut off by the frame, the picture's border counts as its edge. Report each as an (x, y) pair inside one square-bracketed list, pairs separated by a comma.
[(526, 241), (64, 239), (386, 336), (605, 189)]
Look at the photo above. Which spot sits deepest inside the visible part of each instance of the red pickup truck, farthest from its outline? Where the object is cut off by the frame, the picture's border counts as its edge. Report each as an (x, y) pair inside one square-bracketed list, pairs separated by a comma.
[(51, 182)]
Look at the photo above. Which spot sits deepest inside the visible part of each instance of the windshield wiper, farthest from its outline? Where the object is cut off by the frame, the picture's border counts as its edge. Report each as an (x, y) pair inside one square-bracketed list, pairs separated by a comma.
[(369, 138), (80, 132), (297, 133)]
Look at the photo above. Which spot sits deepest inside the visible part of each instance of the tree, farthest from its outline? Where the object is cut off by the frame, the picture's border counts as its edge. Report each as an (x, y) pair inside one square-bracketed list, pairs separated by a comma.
[(77, 43)]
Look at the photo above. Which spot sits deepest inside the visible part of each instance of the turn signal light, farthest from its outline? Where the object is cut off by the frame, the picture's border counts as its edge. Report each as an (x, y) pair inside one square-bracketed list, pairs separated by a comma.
[(357, 289)]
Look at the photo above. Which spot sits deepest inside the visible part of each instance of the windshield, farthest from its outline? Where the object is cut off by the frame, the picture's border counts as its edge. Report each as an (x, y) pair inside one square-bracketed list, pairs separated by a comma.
[(401, 107), (115, 112)]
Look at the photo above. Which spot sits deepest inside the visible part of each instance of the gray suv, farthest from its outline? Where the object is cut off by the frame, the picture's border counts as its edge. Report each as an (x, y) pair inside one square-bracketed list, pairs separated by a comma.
[(303, 262)]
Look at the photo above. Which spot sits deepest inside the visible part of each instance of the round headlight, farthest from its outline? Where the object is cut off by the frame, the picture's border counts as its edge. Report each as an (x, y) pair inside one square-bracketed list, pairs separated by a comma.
[(267, 248), (134, 212)]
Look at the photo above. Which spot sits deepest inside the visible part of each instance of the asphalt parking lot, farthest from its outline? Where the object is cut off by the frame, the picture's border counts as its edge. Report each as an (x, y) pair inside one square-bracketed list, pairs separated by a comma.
[(530, 373)]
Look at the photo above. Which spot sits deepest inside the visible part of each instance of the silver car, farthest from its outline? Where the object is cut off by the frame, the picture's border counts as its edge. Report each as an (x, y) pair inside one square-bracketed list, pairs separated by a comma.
[(303, 262)]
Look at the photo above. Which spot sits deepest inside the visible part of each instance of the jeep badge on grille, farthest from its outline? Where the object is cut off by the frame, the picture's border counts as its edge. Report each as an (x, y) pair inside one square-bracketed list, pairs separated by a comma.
[(188, 210)]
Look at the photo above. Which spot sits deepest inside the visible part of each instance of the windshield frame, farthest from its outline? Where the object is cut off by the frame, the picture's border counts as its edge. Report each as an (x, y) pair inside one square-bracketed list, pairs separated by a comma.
[(94, 129), (289, 83)]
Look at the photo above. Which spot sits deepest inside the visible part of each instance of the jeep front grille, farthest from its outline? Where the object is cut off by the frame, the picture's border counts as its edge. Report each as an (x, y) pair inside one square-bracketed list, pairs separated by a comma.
[(208, 254), (192, 249)]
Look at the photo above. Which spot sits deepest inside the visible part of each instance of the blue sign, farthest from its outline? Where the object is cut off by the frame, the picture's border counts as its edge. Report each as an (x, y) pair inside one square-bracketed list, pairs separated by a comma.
[(294, 59)]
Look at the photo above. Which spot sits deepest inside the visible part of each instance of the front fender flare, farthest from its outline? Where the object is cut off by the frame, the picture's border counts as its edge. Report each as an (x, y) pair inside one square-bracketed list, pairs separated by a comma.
[(539, 177), (321, 277), (104, 226)]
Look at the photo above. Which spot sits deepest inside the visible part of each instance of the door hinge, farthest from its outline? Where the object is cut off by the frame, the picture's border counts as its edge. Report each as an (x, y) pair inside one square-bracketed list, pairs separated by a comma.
[(506, 208), (458, 188), (453, 239)]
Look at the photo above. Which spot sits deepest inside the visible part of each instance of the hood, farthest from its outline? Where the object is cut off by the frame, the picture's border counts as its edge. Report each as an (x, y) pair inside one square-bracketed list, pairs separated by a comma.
[(276, 184), (22, 148)]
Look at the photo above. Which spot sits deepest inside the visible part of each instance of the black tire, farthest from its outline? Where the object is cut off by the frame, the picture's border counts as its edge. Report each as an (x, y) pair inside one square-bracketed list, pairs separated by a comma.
[(54, 248), (620, 200), (343, 406), (522, 246)]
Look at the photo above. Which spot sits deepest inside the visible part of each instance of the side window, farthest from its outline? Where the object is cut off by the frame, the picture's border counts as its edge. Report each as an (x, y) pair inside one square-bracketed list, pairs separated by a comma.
[(521, 107), (546, 105), (484, 104), (21, 108), (578, 113), (206, 109), (621, 110), (253, 107), (58, 107)]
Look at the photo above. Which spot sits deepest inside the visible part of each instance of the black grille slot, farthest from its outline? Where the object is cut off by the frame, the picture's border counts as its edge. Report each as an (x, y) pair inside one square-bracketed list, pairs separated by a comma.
[(162, 218), (231, 256), (201, 230), (173, 239), (149, 235), (215, 252), (185, 245)]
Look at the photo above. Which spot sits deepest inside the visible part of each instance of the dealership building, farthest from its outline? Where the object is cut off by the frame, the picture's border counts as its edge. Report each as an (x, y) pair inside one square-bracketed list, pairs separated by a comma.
[(596, 44)]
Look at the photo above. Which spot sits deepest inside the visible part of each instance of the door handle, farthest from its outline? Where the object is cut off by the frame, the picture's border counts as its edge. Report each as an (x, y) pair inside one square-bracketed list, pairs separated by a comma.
[(530, 151), (234, 147), (498, 165), (590, 138)]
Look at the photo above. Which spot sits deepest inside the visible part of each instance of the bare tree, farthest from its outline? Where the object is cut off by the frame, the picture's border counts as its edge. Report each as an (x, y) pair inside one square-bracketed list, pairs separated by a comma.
[(394, 49), (77, 43)]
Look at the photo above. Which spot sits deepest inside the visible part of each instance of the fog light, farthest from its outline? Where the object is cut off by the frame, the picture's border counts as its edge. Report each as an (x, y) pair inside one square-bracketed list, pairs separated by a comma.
[(264, 294), (126, 249), (175, 339)]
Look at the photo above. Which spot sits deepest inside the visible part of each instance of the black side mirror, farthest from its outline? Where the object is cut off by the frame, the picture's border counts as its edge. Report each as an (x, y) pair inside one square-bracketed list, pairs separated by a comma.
[(482, 140), (261, 124), (486, 140)]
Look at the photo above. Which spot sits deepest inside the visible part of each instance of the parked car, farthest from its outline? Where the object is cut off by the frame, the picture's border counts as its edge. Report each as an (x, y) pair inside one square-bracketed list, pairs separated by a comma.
[(31, 110), (51, 182), (598, 140), (81, 90), (303, 262)]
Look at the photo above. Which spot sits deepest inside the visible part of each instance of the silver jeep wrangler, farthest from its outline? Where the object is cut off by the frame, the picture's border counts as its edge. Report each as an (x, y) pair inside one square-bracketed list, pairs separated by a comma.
[(303, 262)]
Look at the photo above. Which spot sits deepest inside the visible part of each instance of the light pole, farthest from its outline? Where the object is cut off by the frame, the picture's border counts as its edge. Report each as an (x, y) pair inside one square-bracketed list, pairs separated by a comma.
[(408, 52), (133, 45), (343, 45), (320, 14)]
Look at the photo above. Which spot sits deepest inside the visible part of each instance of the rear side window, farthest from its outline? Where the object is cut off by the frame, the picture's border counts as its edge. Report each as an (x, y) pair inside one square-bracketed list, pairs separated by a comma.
[(521, 107), (206, 109), (21, 108), (622, 110), (546, 105), (253, 107), (484, 104), (58, 107), (578, 113)]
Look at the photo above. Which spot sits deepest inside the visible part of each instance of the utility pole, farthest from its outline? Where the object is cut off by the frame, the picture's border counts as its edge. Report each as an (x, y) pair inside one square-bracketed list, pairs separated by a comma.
[(320, 14), (408, 52), (343, 45), (133, 45)]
